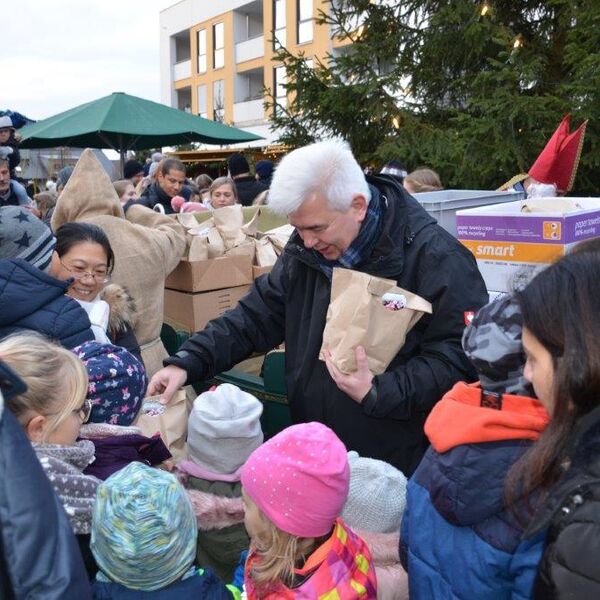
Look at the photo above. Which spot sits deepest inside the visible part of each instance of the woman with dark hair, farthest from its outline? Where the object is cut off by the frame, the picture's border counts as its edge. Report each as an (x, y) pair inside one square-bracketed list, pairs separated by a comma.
[(561, 336), (83, 254)]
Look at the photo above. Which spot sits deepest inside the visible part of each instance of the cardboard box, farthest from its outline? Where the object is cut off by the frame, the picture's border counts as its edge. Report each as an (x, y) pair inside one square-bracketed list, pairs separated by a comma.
[(191, 312), (212, 274), (258, 271), (511, 246)]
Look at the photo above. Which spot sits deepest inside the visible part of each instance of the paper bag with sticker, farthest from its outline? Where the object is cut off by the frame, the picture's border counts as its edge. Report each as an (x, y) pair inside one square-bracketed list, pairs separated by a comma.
[(169, 420), (370, 312)]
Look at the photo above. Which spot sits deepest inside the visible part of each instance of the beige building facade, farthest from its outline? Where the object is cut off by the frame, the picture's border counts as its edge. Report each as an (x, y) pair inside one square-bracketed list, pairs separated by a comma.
[(217, 56)]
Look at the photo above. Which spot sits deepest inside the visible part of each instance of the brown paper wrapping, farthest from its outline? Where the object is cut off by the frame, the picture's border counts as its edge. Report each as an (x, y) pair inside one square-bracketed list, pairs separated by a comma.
[(172, 424), (357, 317)]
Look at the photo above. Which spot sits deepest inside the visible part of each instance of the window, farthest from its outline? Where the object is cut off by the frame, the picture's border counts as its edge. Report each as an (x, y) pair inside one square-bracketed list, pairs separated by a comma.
[(218, 100), (202, 51), (305, 26), (202, 101), (278, 24), (279, 80), (218, 45)]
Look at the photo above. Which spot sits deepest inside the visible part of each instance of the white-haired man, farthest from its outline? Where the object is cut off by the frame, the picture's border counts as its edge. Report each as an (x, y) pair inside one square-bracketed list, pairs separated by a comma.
[(375, 227)]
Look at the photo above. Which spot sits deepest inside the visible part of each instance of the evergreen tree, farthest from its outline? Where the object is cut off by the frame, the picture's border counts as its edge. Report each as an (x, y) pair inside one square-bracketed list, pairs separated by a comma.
[(471, 89)]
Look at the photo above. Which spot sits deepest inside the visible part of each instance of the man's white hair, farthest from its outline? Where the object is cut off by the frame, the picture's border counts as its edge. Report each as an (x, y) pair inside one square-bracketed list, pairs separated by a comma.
[(327, 168)]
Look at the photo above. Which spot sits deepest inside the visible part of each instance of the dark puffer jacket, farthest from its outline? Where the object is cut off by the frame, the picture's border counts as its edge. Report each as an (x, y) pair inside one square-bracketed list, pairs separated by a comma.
[(570, 566), (33, 300), (291, 304), (39, 557)]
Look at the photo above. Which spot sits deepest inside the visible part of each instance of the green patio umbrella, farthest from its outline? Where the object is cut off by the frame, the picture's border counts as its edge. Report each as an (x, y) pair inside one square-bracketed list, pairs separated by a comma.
[(123, 122)]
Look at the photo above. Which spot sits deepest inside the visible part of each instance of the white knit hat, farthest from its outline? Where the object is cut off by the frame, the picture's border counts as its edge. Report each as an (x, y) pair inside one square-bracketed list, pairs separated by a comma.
[(377, 495), (224, 429)]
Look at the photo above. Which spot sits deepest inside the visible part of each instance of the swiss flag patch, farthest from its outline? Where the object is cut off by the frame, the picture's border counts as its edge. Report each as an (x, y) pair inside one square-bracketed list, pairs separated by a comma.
[(468, 316)]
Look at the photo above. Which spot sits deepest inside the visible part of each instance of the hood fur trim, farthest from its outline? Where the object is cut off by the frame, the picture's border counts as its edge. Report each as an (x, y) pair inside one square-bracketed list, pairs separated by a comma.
[(122, 307)]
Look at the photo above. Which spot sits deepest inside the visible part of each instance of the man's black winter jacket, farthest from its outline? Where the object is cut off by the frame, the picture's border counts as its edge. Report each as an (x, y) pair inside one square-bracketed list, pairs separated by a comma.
[(291, 304)]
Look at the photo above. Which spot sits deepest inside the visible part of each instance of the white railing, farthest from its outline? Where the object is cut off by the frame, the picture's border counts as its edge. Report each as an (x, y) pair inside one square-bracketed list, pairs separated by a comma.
[(253, 48), (182, 70), (250, 111)]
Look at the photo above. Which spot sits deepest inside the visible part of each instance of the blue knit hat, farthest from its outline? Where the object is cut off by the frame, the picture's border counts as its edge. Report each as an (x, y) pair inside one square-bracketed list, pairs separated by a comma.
[(143, 528), (117, 382)]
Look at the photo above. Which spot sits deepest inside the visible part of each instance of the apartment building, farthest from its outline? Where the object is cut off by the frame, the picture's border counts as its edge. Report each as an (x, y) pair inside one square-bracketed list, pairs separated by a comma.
[(217, 55)]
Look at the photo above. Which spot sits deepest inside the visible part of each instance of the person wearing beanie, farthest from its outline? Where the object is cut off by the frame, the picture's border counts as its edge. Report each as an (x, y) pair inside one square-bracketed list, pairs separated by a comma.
[(144, 539), (264, 171), (223, 430), (374, 508), (117, 382), (294, 488), (247, 186), (30, 298), (9, 143), (477, 433), (134, 171)]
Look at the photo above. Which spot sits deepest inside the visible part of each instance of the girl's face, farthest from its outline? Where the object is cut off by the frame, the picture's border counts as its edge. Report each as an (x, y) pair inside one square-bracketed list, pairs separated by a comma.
[(5, 135), (40, 428), (222, 196), (128, 194), (539, 369), (87, 264), (68, 430), (253, 520)]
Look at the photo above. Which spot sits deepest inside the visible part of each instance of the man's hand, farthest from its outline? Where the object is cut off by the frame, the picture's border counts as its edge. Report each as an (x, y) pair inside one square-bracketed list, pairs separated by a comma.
[(166, 382), (357, 384)]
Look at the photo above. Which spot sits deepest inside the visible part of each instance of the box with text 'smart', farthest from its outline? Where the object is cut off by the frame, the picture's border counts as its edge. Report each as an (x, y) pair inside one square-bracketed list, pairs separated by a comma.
[(212, 274), (511, 245), (191, 312)]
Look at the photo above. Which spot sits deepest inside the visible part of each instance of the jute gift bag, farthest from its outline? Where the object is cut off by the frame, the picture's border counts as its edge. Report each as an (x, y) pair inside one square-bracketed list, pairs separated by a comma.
[(169, 420), (357, 316)]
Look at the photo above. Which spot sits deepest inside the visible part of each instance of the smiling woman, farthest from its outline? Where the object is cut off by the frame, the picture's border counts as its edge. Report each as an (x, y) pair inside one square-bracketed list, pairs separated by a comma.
[(84, 256)]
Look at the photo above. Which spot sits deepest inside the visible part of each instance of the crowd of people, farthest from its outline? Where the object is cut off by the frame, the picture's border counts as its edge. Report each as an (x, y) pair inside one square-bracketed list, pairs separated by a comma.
[(468, 469)]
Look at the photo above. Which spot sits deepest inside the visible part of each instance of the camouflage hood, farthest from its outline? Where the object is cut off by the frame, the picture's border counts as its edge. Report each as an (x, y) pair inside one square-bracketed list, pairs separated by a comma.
[(493, 343)]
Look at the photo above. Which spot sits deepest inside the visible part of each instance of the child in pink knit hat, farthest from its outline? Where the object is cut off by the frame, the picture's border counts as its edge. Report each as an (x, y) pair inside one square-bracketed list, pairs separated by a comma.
[(294, 488)]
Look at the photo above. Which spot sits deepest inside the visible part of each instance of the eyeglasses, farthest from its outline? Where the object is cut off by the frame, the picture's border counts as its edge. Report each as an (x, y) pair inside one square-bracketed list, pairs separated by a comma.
[(85, 411), (79, 273)]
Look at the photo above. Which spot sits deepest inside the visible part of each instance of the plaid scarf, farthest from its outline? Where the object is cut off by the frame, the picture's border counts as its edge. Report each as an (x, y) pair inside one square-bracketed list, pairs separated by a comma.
[(362, 246)]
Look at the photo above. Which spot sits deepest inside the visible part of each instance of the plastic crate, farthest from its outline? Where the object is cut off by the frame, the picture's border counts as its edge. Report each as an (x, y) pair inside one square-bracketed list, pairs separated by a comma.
[(443, 205)]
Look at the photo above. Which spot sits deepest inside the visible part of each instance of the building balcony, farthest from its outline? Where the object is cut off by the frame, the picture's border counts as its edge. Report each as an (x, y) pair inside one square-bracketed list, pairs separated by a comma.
[(248, 112), (250, 49), (182, 70)]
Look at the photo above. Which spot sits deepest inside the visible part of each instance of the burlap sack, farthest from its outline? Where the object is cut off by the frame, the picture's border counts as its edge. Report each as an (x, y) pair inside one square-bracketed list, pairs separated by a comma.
[(356, 317), (171, 423)]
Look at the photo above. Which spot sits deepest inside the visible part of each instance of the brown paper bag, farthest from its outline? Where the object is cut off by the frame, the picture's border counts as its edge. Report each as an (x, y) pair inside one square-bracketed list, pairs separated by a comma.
[(216, 245), (357, 317), (171, 423), (229, 221), (266, 255), (246, 248), (198, 249), (279, 237), (251, 227)]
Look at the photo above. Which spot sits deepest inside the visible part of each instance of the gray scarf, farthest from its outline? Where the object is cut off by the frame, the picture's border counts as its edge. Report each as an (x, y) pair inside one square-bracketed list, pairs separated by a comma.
[(64, 467)]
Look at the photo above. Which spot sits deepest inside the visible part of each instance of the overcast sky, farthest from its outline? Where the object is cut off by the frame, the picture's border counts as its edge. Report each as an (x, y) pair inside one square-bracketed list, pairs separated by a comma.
[(60, 53)]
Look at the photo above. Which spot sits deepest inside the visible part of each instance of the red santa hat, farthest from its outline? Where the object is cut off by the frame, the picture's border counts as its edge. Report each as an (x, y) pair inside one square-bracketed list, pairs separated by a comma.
[(557, 163)]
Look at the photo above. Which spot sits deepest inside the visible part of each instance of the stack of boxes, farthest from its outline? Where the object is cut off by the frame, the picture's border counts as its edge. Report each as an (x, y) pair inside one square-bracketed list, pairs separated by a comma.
[(198, 291)]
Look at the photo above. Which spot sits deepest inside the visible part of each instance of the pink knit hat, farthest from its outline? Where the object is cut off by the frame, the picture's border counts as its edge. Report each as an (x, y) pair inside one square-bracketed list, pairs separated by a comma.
[(299, 479)]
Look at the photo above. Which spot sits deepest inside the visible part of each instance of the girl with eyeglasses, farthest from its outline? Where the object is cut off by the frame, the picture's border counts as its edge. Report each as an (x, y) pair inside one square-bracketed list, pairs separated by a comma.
[(84, 255), (51, 411)]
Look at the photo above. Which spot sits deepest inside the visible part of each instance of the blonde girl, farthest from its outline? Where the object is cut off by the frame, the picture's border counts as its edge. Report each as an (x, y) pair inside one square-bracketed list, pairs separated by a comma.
[(51, 411), (294, 488)]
